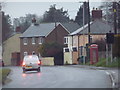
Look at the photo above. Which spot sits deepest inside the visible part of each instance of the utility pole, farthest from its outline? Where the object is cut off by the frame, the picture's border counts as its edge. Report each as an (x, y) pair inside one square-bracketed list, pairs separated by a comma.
[(107, 12), (115, 11), (89, 41), (82, 49)]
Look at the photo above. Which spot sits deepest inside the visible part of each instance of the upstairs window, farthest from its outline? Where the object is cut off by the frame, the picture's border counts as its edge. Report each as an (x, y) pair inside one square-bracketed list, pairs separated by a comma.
[(91, 38), (33, 40), (25, 41), (33, 52), (25, 53), (65, 40), (40, 40)]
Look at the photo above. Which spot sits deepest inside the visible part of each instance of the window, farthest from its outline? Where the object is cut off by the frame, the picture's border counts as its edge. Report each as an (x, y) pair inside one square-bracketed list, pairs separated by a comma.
[(25, 41), (66, 49), (33, 52), (33, 40), (74, 49), (65, 40), (91, 39), (40, 40), (25, 53)]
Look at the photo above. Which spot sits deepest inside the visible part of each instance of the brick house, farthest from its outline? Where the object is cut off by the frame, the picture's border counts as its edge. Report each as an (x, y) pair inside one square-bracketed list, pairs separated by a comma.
[(36, 34), (78, 39)]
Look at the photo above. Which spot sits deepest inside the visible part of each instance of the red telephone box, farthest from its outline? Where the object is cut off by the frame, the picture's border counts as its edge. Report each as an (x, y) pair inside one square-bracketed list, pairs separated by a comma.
[(93, 53)]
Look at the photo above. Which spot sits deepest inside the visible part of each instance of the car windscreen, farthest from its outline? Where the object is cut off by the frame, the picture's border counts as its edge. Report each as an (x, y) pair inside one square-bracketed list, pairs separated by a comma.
[(31, 59)]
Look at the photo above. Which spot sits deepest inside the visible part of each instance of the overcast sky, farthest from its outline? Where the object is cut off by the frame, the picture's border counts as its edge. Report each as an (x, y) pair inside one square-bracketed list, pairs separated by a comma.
[(18, 9)]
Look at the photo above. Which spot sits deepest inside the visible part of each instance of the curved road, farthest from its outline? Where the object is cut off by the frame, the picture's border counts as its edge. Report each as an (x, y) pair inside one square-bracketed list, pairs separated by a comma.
[(59, 77)]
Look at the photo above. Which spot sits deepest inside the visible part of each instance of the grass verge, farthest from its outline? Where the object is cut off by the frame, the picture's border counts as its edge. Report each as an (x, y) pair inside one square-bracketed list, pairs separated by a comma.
[(102, 63), (3, 74)]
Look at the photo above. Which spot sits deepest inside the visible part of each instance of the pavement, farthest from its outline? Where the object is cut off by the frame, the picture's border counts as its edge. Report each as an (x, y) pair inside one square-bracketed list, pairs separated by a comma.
[(114, 73)]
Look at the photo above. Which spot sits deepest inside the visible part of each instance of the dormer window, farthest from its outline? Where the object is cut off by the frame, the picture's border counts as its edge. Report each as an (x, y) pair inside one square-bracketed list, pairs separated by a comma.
[(33, 40), (25, 41)]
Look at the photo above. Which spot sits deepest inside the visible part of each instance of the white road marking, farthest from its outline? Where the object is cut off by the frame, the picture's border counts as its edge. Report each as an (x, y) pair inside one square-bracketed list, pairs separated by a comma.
[(108, 73), (113, 72), (113, 82), (102, 70)]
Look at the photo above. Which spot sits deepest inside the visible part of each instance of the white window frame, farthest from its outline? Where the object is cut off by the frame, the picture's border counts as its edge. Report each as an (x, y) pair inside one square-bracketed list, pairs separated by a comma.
[(40, 40), (66, 48), (65, 40), (33, 52), (25, 41), (33, 40), (25, 53), (76, 48), (91, 38)]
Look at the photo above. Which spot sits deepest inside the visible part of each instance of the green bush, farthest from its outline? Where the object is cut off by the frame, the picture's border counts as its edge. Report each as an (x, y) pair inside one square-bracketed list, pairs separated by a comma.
[(50, 49), (101, 62), (115, 63)]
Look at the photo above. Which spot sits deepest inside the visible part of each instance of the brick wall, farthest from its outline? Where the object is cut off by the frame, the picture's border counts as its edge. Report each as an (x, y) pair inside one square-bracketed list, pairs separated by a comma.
[(57, 35), (29, 47)]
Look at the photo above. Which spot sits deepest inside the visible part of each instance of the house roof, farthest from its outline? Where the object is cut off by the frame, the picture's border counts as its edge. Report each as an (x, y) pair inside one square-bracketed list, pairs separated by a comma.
[(45, 28), (71, 26), (96, 27), (39, 30)]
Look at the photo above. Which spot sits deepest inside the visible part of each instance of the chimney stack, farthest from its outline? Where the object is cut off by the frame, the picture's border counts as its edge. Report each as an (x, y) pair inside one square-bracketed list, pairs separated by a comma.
[(96, 14), (18, 29), (33, 20)]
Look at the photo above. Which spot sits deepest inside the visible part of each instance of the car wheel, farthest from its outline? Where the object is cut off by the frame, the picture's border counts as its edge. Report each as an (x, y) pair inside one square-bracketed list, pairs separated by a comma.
[(38, 69), (24, 70)]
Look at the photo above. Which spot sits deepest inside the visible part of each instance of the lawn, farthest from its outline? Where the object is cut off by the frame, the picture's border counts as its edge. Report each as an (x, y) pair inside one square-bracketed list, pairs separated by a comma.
[(3, 74)]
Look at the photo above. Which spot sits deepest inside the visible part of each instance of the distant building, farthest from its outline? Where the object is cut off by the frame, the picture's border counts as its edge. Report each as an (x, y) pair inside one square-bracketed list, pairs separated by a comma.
[(36, 34), (11, 45), (78, 39)]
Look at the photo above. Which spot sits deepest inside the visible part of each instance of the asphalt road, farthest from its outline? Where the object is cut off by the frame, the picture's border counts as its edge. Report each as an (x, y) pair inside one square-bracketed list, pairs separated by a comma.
[(59, 77)]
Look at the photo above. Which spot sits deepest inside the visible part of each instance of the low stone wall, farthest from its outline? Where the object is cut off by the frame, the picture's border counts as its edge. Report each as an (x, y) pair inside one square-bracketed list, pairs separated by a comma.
[(47, 60)]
